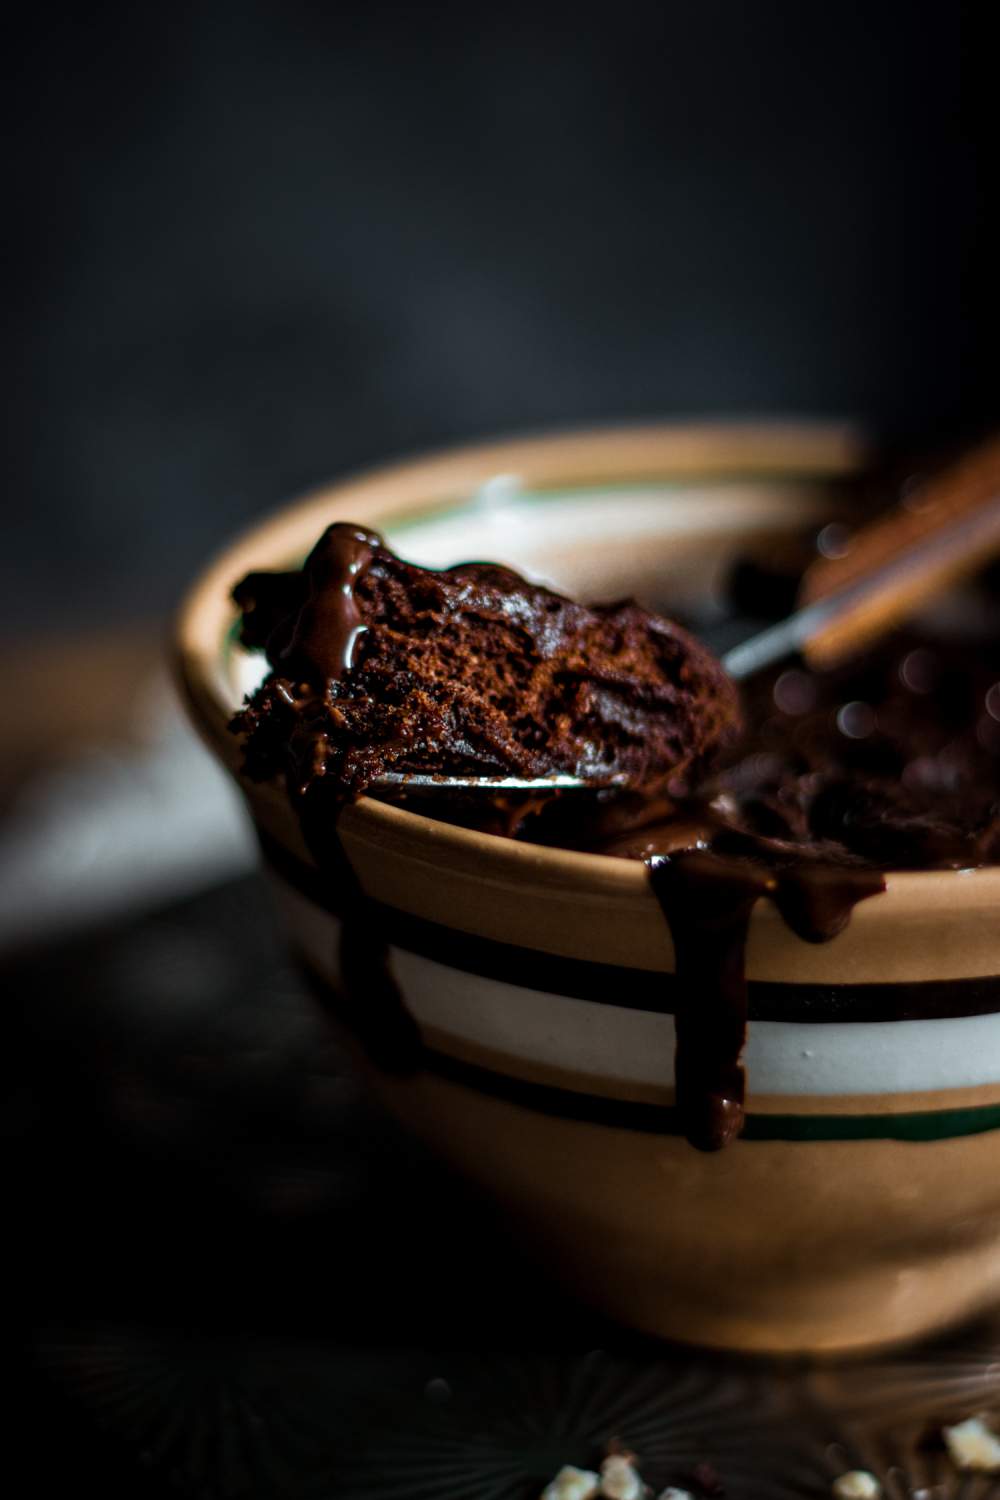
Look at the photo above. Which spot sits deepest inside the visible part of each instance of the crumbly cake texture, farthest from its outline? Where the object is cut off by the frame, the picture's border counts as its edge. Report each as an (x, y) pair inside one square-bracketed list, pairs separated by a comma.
[(469, 671)]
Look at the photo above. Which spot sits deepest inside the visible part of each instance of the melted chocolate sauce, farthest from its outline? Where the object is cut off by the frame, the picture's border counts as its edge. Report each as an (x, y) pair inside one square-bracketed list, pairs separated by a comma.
[(816, 900), (322, 644), (329, 622), (707, 899), (474, 670), (372, 1005)]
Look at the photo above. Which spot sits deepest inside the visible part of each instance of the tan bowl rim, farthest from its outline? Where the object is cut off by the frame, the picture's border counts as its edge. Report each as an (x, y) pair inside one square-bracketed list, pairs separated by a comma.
[(622, 453)]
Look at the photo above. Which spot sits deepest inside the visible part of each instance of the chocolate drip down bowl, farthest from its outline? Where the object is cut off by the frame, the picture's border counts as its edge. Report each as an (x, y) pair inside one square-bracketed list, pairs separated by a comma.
[(744, 1099)]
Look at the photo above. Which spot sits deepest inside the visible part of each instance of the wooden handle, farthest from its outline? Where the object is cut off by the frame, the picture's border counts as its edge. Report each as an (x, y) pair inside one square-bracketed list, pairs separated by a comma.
[(942, 534)]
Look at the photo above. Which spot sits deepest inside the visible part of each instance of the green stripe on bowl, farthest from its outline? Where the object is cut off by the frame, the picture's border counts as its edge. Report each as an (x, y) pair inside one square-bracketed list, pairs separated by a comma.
[(930, 1125), (658, 1119)]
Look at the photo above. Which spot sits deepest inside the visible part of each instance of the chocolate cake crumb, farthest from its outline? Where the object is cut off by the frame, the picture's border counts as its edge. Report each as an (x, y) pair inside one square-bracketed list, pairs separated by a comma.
[(378, 665)]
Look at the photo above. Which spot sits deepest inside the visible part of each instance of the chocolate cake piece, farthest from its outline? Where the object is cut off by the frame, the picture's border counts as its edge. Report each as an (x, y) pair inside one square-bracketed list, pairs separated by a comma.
[(381, 665)]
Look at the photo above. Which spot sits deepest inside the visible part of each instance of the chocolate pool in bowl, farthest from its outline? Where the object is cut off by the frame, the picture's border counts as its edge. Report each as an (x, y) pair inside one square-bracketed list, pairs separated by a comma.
[(861, 1202)]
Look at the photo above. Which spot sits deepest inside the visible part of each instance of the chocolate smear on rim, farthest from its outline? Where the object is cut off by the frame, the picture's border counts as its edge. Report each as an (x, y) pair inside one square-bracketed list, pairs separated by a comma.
[(707, 899), (372, 1005), (321, 647)]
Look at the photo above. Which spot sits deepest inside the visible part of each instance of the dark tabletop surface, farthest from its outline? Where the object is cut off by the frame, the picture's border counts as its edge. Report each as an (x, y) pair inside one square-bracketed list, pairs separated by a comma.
[(190, 1160)]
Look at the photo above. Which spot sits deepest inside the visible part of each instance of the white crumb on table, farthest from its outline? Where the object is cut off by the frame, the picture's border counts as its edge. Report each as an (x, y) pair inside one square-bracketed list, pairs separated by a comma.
[(573, 1484), (619, 1480), (857, 1484), (971, 1445)]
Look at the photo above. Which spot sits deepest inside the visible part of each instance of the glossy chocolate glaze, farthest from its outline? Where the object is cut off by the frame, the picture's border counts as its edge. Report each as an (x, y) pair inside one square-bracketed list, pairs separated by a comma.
[(707, 899), (891, 762), (329, 621), (371, 1005), (811, 822)]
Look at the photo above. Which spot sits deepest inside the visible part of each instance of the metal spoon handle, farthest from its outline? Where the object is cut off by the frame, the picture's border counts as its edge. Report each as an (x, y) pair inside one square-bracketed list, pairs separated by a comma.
[(421, 782)]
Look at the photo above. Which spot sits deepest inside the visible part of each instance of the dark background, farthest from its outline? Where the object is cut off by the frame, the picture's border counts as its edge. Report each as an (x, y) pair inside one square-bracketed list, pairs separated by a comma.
[(254, 244)]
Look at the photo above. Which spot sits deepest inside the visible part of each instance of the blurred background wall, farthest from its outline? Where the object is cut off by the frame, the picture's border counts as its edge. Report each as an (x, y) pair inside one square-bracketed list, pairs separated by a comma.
[(253, 244)]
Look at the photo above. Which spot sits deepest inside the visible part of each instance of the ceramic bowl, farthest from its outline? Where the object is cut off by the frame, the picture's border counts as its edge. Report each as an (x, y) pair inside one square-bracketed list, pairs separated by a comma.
[(861, 1205)]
